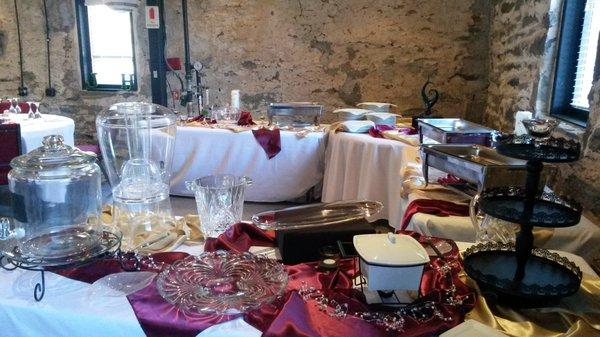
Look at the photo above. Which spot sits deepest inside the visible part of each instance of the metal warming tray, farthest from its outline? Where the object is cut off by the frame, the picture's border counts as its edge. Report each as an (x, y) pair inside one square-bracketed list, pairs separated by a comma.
[(476, 164), (454, 131), (296, 114)]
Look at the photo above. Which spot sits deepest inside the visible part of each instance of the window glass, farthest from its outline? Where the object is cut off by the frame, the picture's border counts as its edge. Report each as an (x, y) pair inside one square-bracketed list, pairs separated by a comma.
[(586, 58), (111, 45)]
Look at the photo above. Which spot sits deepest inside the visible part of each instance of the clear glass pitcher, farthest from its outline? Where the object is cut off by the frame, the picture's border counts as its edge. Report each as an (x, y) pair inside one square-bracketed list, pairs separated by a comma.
[(136, 130), (220, 201)]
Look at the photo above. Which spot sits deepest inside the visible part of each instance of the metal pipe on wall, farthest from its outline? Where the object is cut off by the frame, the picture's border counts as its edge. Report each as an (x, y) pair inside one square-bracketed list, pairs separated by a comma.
[(186, 47)]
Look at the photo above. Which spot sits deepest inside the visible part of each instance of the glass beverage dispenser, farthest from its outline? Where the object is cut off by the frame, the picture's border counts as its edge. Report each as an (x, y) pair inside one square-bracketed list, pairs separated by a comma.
[(137, 141)]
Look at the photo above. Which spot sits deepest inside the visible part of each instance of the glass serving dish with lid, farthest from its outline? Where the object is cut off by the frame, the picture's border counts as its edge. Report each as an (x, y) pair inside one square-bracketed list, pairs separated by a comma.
[(56, 198)]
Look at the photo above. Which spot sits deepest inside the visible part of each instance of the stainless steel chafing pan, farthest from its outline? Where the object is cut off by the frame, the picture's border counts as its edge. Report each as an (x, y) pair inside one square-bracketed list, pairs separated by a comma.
[(476, 164)]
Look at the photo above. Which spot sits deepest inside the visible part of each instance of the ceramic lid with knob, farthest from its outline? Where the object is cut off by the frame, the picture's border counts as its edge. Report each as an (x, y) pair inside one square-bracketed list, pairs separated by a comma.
[(392, 250)]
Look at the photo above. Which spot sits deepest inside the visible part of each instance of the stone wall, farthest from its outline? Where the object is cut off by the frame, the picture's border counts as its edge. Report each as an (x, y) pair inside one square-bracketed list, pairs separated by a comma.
[(339, 53), (518, 44), (70, 99)]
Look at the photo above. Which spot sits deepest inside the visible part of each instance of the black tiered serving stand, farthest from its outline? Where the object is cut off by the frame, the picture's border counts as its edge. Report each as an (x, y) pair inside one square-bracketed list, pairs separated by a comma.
[(518, 273), (108, 247)]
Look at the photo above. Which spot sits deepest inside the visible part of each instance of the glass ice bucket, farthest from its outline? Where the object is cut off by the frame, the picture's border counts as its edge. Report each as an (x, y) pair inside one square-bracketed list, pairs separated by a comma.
[(136, 130), (57, 200), (220, 201)]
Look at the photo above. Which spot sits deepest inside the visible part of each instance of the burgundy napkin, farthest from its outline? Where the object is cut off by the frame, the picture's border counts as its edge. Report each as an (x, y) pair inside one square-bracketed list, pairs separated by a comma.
[(245, 119), (450, 180), (200, 118), (269, 140), (377, 130), (4, 105), (24, 106), (432, 206)]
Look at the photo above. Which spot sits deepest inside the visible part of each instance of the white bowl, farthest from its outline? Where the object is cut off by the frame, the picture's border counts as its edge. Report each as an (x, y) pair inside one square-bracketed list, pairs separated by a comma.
[(351, 114), (376, 106), (384, 118), (357, 126)]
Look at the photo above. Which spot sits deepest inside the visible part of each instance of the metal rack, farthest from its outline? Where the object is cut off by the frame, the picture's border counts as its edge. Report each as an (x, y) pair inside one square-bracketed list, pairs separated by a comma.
[(491, 264)]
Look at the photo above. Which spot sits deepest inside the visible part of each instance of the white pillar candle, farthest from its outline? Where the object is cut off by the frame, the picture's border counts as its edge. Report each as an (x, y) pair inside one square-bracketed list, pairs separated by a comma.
[(235, 99)]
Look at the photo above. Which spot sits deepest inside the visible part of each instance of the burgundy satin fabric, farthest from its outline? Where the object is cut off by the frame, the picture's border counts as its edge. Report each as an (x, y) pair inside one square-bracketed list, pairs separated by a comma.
[(10, 147), (239, 238), (245, 119), (376, 130), (290, 315), (432, 206), (450, 180), (269, 140)]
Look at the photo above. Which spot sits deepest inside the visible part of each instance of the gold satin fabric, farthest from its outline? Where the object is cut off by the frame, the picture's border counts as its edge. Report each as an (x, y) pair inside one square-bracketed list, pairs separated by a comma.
[(166, 237), (574, 316), (541, 236)]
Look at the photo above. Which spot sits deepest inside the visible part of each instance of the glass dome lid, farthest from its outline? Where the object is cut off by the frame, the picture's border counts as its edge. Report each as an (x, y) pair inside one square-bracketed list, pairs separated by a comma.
[(52, 154), (121, 110)]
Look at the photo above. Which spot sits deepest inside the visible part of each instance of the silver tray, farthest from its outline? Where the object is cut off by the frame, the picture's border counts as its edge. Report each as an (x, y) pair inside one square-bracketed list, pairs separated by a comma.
[(477, 164), (454, 131), (296, 114), (316, 215)]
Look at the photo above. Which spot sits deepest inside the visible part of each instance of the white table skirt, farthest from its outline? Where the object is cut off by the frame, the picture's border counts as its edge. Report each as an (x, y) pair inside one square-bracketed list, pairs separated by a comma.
[(363, 167), (290, 174), (68, 310), (33, 131)]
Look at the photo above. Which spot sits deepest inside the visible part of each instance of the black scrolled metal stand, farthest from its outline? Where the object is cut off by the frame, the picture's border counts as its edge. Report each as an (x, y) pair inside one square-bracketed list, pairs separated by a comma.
[(524, 241), (111, 249), (529, 208)]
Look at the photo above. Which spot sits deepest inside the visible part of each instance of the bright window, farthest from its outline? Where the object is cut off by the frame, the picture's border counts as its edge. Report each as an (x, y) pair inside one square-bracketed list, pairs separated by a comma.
[(578, 46), (586, 59), (107, 48)]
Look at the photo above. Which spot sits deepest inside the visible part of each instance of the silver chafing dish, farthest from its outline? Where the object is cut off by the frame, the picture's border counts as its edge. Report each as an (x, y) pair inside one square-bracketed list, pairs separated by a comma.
[(476, 164), (296, 114), (454, 131)]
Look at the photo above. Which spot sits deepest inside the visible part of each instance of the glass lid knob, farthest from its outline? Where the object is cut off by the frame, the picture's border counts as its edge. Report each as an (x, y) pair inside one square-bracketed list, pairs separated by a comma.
[(53, 142)]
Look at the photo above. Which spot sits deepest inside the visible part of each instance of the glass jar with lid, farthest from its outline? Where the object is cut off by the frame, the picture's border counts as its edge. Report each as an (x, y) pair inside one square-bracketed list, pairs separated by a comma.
[(57, 201)]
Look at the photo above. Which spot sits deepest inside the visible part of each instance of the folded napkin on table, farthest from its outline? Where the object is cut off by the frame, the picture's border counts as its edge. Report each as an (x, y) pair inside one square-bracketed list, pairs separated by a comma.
[(410, 139), (245, 119), (269, 140), (376, 130), (165, 236), (4, 105), (450, 180), (24, 106), (432, 206)]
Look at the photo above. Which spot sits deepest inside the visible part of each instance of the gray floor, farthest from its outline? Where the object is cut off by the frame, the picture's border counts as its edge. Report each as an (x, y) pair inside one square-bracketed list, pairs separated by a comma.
[(187, 205)]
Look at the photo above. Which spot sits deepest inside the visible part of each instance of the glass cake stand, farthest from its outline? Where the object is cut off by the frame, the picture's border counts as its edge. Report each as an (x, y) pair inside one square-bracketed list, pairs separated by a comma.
[(222, 282)]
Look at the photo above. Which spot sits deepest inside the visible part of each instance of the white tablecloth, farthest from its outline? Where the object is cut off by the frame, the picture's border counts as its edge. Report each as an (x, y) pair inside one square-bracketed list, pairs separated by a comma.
[(582, 239), (363, 167), (290, 174), (68, 310), (34, 130)]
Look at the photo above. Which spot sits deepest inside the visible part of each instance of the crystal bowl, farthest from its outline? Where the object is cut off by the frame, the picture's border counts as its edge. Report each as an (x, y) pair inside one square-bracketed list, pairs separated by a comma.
[(222, 282), (540, 127)]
